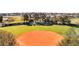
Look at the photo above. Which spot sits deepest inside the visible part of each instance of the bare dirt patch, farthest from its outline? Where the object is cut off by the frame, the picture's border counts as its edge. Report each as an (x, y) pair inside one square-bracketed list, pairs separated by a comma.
[(39, 38)]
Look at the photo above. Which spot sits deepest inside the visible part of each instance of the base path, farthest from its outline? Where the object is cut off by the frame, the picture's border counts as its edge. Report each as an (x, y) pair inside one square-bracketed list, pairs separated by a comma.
[(39, 38)]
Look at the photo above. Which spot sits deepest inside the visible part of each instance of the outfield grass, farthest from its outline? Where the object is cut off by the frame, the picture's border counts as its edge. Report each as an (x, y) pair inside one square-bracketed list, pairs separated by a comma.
[(17, 30)]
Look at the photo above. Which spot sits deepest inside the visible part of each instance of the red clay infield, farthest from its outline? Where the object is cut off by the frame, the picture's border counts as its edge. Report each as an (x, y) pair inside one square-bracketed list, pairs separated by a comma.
[(39, 38)]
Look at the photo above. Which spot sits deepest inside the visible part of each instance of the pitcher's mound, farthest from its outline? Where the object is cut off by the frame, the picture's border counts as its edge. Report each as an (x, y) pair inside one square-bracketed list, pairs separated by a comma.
[(39, 38)]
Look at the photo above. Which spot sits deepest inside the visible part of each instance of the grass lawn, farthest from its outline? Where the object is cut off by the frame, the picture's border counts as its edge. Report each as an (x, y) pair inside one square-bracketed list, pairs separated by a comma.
[(75, 20), (17, 19), (17, 30)]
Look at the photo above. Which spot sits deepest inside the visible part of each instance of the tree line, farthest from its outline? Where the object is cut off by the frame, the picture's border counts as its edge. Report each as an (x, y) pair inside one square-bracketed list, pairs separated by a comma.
[(42, 19)]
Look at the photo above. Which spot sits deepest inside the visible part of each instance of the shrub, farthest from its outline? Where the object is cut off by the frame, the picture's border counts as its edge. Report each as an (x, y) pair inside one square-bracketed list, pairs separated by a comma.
[(71, 39), (6, 38)]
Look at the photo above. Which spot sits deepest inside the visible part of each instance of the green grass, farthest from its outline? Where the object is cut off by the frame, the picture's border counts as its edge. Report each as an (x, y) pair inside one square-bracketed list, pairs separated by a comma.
[(17, 30), (15, 22)]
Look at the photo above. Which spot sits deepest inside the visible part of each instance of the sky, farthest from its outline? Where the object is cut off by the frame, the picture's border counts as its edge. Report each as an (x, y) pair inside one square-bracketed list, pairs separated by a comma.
[(67, 6)]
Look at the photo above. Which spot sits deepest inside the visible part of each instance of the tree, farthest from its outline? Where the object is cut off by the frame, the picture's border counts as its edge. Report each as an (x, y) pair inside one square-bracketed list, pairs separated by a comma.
[(59, 19), (36, 16), (43, 16), (54, 20), (1, 18), (65, 20), (26, 17)]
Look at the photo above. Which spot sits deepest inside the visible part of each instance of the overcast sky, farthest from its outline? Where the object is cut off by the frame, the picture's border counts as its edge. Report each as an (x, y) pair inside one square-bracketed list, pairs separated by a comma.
[(39, 6)]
